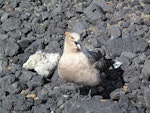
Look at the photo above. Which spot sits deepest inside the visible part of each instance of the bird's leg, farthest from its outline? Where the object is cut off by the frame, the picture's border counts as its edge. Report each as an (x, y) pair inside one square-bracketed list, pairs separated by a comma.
[(89, 94)]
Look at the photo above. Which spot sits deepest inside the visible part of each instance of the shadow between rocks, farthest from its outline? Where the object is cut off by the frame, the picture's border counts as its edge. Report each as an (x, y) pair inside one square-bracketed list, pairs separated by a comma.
[(113, 81)]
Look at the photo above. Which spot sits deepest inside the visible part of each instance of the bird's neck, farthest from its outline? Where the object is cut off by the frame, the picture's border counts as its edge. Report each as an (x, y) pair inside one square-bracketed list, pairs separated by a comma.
[(69, 49)]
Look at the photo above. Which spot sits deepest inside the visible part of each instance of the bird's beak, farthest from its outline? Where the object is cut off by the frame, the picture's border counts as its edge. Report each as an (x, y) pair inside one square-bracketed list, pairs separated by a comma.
[(78, 44)]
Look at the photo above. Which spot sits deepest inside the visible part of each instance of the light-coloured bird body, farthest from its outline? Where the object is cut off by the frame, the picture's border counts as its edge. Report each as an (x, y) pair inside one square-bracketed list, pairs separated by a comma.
[(74, 65)]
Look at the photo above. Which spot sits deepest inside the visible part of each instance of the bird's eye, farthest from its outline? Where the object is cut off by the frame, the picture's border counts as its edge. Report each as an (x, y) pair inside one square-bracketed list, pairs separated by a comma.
[(71, 37)]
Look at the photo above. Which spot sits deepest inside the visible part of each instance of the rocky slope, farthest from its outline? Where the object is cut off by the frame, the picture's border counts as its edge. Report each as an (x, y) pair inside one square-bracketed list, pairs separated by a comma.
[(119, 28)]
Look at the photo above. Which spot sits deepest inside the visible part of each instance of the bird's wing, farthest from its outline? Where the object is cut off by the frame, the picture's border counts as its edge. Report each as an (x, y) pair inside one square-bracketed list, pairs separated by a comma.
[(99, 61)]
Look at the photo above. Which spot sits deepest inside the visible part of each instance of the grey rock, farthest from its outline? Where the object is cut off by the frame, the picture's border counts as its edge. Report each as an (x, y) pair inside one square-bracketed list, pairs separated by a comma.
[(134, 83), (139, 33), (21, 58), (147, 8), (126, 106), (93, 106), (140, 102), (125, 61), (54, 93), (4, 17), (25, 42), (125, 24), (93, 11), (9, 51), (7, 103), (36, 81), (140, 59), (11, 24), (14, 35), (37, 109), (80, 26), (2, 110), (131, 73), (38, 44), (115, 32), (146, 1), (2, 47), (3, 94), (44, 15), (116, 94), (103, 5), (3, 36), (26, 76), (23, 104), (95, 43), (128, 54), (43, 94), (78, 8), (16, 87), (146, 69), (3, 64), (25, 4), (147, 96), (131, 44), (18, 102), (7, 80)]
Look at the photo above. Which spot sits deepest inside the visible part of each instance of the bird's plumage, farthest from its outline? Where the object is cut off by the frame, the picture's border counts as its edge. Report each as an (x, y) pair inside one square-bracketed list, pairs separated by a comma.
[(78, 65)]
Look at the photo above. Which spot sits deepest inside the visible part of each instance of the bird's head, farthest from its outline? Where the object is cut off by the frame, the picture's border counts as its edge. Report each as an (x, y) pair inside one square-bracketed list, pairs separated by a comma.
[(72, 41)]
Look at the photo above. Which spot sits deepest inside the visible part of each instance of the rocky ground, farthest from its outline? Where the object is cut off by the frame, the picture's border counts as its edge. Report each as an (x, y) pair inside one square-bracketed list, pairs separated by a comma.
[(119, 28)]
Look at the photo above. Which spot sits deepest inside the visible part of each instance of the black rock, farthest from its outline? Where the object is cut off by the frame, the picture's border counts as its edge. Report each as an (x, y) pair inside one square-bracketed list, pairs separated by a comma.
[(11, 24), (80, 26), (93, 11)]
